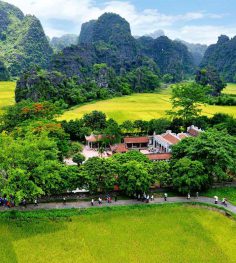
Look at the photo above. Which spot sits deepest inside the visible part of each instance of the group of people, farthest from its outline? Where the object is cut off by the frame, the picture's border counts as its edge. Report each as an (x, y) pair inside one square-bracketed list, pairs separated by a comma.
[(223, 202), (145, 197), (7, 202), (108, 200)]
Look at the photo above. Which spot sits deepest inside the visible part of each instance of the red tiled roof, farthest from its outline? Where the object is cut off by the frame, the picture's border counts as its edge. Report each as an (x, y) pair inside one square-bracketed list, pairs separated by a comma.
[(171, 138), (182, 135), (119, 148), (193, 132), (136, 140), (159, 156)]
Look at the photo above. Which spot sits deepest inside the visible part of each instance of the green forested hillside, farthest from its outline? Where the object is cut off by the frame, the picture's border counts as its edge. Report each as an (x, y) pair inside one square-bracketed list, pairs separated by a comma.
[(109, 40), (172, 57), (222, 56), (4, 73), (22, 40)]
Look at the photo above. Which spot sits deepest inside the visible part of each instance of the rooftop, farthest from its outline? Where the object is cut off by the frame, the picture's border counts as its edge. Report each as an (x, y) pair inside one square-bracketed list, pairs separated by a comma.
[(159, 156), (93, 138), (119, 148), (171, 138), (136, 140)]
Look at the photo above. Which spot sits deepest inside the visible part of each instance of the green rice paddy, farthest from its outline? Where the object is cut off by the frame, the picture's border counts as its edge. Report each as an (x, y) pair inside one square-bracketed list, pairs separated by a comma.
[(169, 233), (144, 106), (7, 94)]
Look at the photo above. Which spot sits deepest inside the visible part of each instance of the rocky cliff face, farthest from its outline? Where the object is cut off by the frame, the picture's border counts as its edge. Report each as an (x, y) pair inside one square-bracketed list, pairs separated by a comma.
[(59, 43), (222, 56), (197, 51), (22, 40), (109, 40), (86, 34), (172, 57)]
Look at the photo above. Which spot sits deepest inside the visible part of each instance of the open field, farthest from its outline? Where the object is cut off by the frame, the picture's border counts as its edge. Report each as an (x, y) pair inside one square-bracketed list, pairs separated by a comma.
[(7, 94), (141, 106), (230, 89), (124, 234), (137, 106), (224, 192)]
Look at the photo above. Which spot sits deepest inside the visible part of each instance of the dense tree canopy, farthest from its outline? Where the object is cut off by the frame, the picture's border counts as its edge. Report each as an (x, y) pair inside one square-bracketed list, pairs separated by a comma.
[(27, 111), (210, 76), (215, 150), (29, 166), (189, 176)]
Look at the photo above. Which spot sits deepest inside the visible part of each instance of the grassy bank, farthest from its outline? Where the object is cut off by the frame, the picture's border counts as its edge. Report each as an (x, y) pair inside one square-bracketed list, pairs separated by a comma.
[(126, 234)]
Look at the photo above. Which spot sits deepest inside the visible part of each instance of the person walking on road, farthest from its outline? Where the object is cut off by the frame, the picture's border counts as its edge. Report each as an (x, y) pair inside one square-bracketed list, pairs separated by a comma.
[(152, 198), (165, 196), (224, 202), (197, 195), (64, 201), (36, 202), (188, 196), (216, 200), (92, 202), (99, 200)]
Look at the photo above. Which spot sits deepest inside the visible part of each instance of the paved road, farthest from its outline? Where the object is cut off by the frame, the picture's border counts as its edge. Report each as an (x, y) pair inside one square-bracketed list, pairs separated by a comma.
[(84, 204)]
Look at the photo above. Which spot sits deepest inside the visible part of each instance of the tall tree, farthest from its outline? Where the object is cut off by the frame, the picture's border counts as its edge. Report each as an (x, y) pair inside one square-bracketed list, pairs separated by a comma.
[(99, 174), (189, 176), (210, 76), (135, 177), (186, 100)]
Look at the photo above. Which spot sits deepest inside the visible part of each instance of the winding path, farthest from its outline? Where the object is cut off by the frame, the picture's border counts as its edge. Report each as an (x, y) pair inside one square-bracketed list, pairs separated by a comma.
[(83, 204)]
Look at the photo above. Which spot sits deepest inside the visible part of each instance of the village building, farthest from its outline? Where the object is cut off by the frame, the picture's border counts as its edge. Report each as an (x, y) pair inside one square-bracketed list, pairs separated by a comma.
[(193, 131), (156, 147), (163, 143), (136, 142), (131, 143), (93, 141), (154, 157), (119, 148)]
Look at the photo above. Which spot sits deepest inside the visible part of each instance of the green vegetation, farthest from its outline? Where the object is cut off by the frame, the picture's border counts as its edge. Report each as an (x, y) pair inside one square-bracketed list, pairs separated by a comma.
[(196, 164), (186, 100), (23, 42), (141, 107), (223, 192), (199, 162), (4, 74), (125, 234), (210, 76), (217, 55)]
